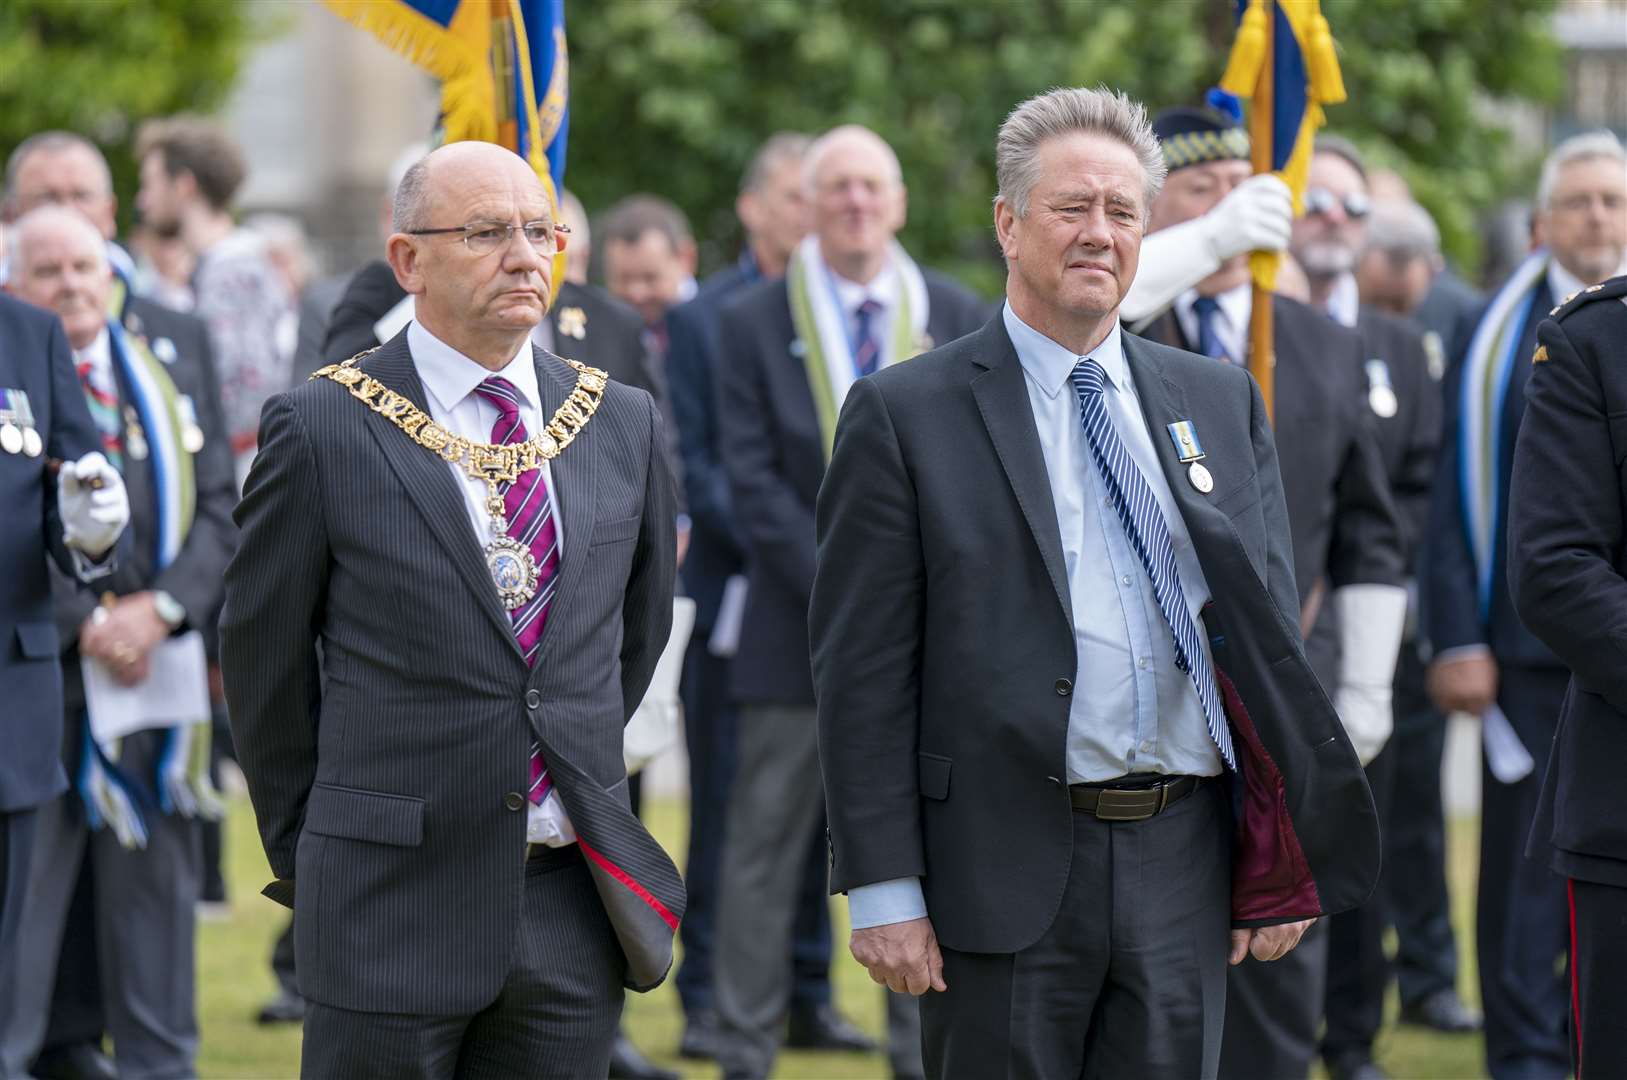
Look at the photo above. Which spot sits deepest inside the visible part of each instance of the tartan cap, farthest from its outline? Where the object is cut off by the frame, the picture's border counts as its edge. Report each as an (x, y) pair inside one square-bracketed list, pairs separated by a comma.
[(1192, 136)]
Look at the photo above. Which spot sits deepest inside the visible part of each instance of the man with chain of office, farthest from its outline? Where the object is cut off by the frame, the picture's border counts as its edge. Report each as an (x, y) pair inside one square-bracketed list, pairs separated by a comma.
[(479, 536)]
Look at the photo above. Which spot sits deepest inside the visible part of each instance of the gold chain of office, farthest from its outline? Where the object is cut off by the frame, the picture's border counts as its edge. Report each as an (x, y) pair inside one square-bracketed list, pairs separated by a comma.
[(492, 462)]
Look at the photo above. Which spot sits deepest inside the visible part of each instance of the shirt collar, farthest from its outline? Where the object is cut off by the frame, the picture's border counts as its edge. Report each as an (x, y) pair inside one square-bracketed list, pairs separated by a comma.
[(1236, 304), (1050, 364), (98, 352), (449, 376), (883, 289), (1344, 302)]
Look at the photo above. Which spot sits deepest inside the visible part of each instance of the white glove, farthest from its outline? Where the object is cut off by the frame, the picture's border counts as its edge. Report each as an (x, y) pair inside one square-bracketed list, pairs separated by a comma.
[(1257, 214), (94, 508), (1370, 621)]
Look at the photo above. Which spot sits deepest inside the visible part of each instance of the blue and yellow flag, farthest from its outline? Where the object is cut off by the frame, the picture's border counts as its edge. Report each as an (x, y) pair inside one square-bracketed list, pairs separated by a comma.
[(1301, 74), (502, 65)]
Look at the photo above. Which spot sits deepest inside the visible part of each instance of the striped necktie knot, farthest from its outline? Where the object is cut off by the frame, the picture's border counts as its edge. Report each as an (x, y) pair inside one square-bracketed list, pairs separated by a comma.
[(504, 396), (1089, 377)]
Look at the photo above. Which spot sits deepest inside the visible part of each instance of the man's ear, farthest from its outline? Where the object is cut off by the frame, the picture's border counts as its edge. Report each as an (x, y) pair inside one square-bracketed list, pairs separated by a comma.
[(1005, 223), (405, 260)]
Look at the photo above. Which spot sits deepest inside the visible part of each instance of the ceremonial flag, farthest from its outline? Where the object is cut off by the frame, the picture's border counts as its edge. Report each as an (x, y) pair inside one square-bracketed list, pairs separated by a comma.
[(1283, 61), (502, 65)]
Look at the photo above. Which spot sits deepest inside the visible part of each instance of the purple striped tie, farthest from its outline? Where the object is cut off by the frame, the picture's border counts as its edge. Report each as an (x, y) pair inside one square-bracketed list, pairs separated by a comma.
[(868, 352), (530, 515)]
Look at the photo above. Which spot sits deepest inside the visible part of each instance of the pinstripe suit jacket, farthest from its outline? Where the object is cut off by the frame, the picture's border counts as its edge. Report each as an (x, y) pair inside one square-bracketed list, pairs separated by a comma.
[(388, 789)]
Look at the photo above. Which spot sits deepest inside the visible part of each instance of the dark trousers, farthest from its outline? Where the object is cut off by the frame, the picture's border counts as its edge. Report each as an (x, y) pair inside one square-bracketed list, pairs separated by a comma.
[(282, 959), (1358, 971), (76, 1001), (1128, 981), (1521, 931), (1414, 881), (556, 1015), (1599, 953), (1273, 1011), (16, 852), (710, 723)]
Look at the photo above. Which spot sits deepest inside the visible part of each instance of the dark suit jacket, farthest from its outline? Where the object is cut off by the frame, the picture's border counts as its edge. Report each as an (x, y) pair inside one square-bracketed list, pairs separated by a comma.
[(775, 458), (1568, 533), (1411, 438), (1451, 602), (36, 359), (944, 648), (716, 550), (391, 792), (195, 578)]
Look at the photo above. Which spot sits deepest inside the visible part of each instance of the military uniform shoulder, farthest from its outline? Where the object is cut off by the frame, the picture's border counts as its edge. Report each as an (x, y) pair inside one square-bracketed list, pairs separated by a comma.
[(1613, 289)]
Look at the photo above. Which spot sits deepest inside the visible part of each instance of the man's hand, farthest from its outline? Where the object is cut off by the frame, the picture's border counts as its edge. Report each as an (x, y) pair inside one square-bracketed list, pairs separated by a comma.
[(1256, 215), (1267, 942), (1463, 683), (93, 504), (903, 957), (124, 636)]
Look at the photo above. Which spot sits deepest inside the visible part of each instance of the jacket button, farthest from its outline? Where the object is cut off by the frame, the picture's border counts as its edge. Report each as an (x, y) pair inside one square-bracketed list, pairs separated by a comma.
[(532, 699), (514, 801), (1064, 687), (1054, 781)]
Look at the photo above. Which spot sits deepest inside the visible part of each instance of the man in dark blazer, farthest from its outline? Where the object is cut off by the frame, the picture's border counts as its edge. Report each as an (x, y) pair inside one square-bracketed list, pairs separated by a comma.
[(51, 519), (1568, 532), (1074, 757), (177, 469), (1485, 656), (852, 302), (447, 810), (772, 210)]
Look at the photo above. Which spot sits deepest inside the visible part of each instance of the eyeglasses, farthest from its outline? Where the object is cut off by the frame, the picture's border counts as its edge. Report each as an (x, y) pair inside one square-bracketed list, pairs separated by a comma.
[(1319, 200), (485, 237)]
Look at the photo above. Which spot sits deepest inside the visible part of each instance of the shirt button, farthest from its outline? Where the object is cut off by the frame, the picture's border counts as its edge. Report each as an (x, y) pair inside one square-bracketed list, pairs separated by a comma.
[(514, 801), (1142, 663), (532, 699), (1064, 687), (1125, 580)]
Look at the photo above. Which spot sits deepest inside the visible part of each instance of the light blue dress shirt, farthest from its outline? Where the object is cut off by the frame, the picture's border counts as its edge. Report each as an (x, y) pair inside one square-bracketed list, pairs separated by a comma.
[(1132, 710)]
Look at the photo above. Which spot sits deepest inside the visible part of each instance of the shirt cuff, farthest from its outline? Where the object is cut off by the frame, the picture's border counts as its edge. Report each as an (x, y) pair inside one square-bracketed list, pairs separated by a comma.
[(1461, 652), (87, 569), (884, 902)]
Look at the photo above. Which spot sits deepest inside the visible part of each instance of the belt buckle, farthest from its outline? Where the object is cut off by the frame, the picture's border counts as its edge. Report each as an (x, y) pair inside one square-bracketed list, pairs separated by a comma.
[(1134, 805)]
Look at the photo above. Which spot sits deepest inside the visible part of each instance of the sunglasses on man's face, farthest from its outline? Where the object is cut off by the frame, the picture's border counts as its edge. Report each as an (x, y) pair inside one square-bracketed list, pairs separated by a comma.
[(1319, 200)]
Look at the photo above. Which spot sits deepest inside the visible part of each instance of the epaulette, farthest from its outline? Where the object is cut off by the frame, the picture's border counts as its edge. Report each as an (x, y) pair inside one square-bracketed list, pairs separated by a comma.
[(1612, 289)]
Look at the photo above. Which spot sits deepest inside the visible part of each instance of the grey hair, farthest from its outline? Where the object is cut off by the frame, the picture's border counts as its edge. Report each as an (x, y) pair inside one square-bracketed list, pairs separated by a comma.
[(41, 216), (52, 142), (1064, 111), (1403, 229), (1584, 147), (814, 156), (778, 149), (410, 209)]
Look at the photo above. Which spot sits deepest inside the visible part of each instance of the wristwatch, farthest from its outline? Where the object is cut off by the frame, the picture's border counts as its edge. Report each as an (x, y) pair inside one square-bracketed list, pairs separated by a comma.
[(169, 609)]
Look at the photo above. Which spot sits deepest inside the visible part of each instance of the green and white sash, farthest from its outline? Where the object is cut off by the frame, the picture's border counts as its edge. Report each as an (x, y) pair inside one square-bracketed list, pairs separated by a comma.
[(822, 327)]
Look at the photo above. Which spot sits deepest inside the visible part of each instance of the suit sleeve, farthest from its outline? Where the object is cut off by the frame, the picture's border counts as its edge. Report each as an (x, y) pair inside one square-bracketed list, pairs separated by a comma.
[(647, 604), (865, 624), (276, 587), (1415, 475), (690, 367), (1565, 515), (1367, 542), (1451, 604), (194, 578), (777, 526), (1279, 552), (72, 435)]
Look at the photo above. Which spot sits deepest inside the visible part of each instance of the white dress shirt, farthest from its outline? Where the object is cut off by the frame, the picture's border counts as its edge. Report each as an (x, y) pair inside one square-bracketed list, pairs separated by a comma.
[(449, 380), (1135, 711), (1231, 321), (883, 289), (1344, 302)]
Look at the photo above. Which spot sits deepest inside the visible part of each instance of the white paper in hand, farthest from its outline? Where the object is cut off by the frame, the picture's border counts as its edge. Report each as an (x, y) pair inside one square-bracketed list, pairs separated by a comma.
[(1506, 756), (725, 639), (176, 691), (654, 724)]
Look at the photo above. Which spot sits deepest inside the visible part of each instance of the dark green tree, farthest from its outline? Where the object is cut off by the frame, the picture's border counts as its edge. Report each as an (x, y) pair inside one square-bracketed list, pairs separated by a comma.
[(672, 96), (101, 67)]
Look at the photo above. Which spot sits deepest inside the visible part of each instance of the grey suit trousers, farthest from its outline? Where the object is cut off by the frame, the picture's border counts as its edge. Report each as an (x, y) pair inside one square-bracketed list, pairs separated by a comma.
[(555, 1017), (145, 901)]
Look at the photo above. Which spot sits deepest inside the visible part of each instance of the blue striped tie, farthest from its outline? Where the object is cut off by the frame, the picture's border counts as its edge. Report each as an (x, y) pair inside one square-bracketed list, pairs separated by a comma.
[(1144, 524)]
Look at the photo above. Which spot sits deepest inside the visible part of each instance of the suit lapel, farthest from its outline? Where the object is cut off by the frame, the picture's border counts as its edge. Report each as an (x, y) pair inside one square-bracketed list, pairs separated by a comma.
[(1002, 399), (575, 479), (430, 483)]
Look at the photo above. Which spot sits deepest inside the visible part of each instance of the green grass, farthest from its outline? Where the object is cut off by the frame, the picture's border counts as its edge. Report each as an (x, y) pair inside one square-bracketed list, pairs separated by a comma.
[(234, 977)]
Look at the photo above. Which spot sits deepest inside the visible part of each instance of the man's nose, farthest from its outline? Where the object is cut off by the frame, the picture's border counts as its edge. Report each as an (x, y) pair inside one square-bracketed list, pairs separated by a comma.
[(519, 255)]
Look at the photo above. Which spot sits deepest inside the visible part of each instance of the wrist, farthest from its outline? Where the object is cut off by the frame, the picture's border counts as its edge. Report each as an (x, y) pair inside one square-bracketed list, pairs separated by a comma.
[(168, 610)]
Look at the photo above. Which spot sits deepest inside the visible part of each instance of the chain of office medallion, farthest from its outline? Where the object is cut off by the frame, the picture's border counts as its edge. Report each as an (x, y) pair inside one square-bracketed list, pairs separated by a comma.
[(491, 462)]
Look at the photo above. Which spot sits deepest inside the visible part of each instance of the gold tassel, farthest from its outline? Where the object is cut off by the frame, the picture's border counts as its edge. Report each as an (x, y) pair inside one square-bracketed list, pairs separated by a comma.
[(1322, 61), (1248, 53)]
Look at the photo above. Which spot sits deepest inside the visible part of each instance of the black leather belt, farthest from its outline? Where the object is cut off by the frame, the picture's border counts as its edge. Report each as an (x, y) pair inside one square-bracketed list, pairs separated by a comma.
[(542, 853), (1132, 804)]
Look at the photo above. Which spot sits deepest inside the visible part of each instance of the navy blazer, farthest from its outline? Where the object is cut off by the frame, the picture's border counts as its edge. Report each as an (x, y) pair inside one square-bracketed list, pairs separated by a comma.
[(36, 359), (775, 459), (1451, 600), (716, 550)]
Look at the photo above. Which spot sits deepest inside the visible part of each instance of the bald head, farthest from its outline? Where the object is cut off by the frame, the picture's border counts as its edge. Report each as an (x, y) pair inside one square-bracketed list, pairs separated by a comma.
[(857, 193), (849, 140), (59, 262), (450, 168)]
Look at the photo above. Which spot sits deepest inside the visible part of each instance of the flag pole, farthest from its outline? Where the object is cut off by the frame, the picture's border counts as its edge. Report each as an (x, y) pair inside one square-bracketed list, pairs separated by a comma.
[(1262, 360)]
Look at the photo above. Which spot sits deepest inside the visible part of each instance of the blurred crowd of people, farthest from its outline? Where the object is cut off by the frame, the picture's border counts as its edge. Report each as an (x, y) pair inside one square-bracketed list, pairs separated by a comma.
[(1391, 384)]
